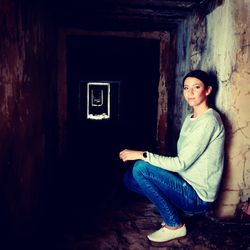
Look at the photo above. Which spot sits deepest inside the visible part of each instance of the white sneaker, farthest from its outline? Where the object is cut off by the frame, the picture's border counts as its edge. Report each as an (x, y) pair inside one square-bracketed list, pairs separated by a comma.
[(165, 234)]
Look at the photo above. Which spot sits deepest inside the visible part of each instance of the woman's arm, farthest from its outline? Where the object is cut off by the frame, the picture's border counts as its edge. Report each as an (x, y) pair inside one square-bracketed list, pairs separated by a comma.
[(192, 144)]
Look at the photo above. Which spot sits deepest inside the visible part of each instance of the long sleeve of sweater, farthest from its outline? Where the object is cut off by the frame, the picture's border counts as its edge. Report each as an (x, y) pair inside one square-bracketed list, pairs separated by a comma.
[(200, 153)]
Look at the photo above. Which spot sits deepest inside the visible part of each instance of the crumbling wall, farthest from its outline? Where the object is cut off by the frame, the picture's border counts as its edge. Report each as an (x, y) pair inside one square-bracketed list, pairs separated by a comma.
[(219, 41), (27, 107)]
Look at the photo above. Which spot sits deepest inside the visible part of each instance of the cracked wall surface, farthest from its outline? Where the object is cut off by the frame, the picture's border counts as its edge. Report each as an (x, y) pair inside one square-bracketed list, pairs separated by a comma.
[(220, 43)]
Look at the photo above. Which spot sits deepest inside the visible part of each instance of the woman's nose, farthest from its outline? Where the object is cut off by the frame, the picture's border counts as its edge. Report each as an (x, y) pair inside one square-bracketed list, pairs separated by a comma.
[(190, 90)]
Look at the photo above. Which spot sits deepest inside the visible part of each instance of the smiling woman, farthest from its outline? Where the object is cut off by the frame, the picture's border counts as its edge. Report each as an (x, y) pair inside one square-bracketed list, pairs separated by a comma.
[(196, 91), (189, 181)]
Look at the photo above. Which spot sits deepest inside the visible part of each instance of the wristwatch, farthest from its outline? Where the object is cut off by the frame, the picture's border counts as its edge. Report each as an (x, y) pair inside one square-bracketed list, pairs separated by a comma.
[(145, 155)]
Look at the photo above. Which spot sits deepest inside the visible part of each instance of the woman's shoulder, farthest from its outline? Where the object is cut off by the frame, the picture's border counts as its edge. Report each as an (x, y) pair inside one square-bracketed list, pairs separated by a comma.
[(213, 115), (213, 119)]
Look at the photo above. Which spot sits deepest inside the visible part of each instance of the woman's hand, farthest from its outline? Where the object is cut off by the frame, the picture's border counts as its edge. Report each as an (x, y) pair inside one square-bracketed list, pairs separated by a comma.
[(130, 155)]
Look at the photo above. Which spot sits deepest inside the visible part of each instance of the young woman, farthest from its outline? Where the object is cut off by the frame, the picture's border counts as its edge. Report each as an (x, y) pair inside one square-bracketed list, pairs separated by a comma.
[(190, 180)]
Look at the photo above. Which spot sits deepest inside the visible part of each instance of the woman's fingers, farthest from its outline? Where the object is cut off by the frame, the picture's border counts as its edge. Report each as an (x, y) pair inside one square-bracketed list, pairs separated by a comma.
[(124, 155), (130, 155)]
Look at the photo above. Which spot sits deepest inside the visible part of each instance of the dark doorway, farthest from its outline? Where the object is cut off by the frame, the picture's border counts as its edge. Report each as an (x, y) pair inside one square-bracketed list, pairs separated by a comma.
[(93, 169)]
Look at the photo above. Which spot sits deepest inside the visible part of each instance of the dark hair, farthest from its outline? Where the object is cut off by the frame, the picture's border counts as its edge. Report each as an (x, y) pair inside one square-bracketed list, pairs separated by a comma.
[(199, 74)]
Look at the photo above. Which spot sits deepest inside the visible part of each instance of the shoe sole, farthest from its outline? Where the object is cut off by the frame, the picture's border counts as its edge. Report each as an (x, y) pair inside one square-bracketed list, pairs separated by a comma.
[(168, 241)]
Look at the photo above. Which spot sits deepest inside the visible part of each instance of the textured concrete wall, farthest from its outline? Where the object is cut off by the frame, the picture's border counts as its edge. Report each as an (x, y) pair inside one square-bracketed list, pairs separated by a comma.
[(26, 107), (220, 42)]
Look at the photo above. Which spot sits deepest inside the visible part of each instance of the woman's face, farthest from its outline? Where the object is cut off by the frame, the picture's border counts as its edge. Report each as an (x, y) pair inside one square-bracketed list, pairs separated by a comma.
[(195, 92)]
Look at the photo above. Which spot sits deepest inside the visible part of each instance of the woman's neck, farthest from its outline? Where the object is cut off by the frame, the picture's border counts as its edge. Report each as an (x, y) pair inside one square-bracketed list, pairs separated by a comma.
[(198, 111)]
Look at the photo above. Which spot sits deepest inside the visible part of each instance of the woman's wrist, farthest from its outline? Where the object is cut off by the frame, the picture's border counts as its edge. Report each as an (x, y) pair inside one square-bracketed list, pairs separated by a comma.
[(144, 155)]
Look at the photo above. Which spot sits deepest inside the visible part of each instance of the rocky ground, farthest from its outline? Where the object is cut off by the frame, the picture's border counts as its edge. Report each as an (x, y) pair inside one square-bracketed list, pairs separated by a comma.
[(125, 222)]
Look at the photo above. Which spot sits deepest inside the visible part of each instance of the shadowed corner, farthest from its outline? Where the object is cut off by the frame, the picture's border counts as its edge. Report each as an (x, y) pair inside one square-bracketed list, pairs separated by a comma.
[(215, 213), (214, 83)]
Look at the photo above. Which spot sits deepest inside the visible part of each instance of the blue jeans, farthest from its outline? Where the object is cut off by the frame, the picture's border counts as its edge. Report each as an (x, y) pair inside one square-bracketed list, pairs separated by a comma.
[(167, 190)]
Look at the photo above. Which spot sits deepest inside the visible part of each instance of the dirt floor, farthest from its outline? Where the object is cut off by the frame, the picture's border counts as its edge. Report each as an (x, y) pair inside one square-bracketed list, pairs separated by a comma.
[(127, 219), (122, 222)]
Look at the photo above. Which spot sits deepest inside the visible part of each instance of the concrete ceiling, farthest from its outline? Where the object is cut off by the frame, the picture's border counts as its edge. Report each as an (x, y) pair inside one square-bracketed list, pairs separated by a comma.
[(141, 15)]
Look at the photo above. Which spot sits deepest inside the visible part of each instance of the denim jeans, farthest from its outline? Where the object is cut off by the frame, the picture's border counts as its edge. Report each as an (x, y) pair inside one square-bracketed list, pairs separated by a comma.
[(167, 190)]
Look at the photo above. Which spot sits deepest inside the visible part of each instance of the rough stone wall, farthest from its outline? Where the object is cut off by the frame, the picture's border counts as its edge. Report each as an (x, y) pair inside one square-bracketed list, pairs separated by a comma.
[(26, 107), (219, 41)]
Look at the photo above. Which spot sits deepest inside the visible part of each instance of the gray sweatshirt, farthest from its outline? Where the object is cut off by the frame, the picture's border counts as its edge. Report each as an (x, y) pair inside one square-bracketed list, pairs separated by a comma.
[(200, 154)]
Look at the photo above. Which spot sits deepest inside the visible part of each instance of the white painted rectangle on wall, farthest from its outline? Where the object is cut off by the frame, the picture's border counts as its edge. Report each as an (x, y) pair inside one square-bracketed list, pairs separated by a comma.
[(98, 100)]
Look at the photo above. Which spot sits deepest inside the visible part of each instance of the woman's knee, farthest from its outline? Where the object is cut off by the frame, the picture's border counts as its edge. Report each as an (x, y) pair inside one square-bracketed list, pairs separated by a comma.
[(131, 183), (140, 167)]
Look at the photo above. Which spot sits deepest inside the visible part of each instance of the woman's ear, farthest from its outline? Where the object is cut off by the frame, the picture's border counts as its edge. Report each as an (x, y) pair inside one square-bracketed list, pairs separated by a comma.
[(209, 90)]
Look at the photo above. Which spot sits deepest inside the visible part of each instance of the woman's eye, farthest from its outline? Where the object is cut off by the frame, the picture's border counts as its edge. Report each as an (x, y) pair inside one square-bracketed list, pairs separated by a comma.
[(185, 88)]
